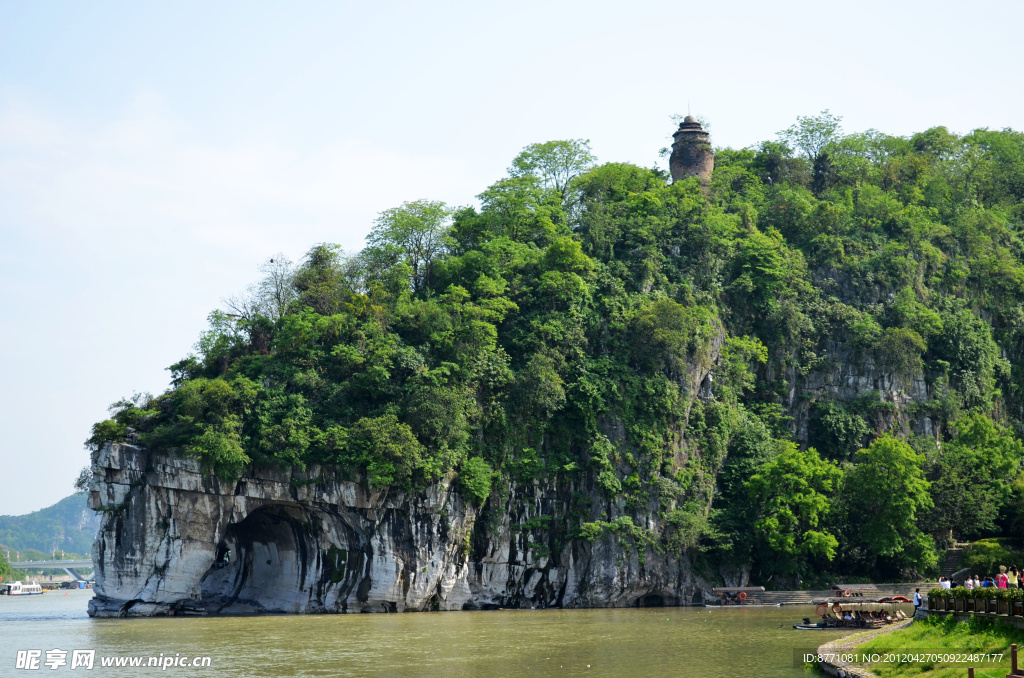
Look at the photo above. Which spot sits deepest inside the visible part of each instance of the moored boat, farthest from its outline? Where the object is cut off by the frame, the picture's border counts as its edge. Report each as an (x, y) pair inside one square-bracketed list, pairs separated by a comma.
[(841, 613), (749, 596), (17, 588)]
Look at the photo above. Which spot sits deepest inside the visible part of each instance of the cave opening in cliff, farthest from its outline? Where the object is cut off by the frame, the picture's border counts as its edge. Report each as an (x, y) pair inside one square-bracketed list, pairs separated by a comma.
[(268, 562), (651, 601)]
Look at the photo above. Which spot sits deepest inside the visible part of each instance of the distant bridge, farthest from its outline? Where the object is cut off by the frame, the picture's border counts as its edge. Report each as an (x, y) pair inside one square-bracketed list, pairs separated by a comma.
[(66, 565), (49, 564)]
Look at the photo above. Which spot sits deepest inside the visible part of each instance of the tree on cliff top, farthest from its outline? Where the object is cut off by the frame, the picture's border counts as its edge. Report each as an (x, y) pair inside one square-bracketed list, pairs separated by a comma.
[(812, 134), (556, 163), (416, 230)]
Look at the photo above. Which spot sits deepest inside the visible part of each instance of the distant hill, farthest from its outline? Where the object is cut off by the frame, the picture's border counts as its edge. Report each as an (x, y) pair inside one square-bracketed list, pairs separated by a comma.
[(67, 525)]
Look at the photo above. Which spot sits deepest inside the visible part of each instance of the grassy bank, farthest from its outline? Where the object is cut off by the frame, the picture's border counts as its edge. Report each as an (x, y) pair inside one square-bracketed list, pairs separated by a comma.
[(946, 636)]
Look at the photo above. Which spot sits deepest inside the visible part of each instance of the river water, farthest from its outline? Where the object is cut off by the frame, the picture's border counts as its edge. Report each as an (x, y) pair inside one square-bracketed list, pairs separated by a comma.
[(672, 641)]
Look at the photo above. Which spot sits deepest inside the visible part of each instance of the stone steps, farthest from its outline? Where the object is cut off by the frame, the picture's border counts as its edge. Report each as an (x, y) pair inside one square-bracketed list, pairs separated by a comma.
[(954, 556)]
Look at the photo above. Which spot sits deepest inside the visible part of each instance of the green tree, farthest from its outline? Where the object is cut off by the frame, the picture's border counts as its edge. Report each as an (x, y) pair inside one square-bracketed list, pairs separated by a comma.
[(6, 572), (901, 349), (519, 208), (318, 280), (665, 335), (973, 477), (417, 231), (475, 478), (886, 494), (83, 480), (768, 279), (790, 496), (281, 429), (388, 452), (205, 418), (812, 134), (966, 346), (555, 163), (835, 430), (540, 390), (775, 165), (749, 449), (128, 415), (739, 355), (911, 313)]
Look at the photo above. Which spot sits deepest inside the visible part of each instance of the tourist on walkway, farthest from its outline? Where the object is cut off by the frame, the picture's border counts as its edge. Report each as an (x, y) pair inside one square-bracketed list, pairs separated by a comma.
[(945, 583), (977, 582), (917, 600), (1012, 578), (1001, 578), (969, 583)]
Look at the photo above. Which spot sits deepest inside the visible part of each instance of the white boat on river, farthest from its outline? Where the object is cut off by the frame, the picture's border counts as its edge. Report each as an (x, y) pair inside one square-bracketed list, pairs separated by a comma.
[(18, 588)]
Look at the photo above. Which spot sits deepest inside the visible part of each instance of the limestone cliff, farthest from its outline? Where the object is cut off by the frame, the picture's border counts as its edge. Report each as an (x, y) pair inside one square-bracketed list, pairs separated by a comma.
[(175, 540)]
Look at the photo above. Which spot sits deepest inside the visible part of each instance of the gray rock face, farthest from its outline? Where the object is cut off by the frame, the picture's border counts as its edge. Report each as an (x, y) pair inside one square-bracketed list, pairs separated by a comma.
[(176, 541)]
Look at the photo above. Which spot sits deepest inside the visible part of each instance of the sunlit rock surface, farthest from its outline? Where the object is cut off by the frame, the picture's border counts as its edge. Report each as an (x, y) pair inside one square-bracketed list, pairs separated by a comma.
[(176, 541)]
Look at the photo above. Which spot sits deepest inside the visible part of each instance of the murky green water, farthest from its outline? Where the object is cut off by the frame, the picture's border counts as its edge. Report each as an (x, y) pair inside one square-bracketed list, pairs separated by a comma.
[(704, 642)]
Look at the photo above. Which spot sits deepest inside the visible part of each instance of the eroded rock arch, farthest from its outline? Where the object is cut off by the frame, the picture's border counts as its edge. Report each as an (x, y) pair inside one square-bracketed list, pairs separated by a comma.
[(283, 557)]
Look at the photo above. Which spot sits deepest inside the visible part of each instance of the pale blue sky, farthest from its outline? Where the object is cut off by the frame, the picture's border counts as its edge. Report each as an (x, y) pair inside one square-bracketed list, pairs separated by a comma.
[(151, 156)]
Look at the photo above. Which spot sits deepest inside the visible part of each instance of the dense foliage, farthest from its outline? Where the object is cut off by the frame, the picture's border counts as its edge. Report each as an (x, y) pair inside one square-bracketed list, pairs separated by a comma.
[(560, 333), (986, 555)]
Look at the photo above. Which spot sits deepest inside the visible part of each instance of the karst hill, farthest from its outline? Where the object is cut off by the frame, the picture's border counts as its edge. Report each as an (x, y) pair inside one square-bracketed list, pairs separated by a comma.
[(605, 385)]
